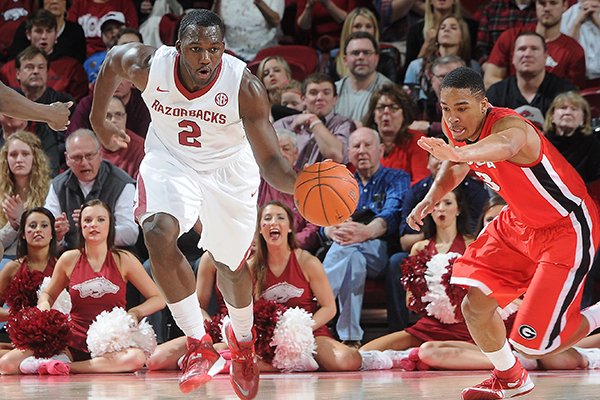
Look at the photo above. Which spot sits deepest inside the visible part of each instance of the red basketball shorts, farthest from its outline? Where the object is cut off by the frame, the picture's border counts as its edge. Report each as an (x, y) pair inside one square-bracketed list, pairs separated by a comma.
[(547, 264)]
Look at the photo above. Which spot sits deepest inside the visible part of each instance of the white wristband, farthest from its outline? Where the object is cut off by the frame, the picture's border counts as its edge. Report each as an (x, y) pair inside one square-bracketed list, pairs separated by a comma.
[(314, 123)]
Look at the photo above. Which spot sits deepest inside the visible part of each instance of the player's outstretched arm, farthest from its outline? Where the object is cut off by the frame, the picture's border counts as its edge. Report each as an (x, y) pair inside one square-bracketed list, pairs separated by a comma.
[(15, 105), (255, 111), (130, 61)]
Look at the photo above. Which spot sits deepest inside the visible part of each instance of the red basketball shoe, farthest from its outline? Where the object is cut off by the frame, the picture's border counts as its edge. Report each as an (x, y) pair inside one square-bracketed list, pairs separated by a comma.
[(244, 373), (495, 387), (200, 364)]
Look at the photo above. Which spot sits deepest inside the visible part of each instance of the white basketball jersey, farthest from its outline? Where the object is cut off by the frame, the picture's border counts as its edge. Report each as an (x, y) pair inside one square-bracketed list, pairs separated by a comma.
[(201, 129)]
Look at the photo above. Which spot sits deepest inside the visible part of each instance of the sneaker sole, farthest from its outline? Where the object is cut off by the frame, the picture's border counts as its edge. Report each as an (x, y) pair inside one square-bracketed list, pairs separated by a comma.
[(199, 380), (485, 395)]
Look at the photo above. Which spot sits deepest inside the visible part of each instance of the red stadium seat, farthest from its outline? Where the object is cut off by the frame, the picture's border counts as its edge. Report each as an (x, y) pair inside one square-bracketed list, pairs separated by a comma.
[(592, 95), (304, 56)]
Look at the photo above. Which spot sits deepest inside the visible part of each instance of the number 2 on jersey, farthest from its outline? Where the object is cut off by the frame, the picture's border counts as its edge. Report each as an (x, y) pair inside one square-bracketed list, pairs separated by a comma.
[(187, 137)]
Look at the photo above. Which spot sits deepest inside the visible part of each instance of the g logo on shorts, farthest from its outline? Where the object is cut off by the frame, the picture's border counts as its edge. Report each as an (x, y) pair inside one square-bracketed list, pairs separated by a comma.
[(527, 332)]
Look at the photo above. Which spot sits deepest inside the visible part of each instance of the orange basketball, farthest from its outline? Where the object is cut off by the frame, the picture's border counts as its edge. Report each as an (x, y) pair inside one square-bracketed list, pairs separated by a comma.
[(326, 193)]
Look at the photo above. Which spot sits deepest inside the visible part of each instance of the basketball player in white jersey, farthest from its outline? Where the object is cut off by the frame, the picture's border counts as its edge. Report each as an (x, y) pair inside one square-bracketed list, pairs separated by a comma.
[(210, 128)]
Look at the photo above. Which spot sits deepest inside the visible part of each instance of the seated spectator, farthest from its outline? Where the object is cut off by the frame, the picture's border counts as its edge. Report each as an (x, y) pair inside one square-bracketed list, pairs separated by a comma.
[(321, 22), (10, 125), (275, 73), (291, 101), (25, 185), (12, 15), (32, 74), (391, 111), (568, 127), (70, 41), (430, 109), (497, 16), (128, 35), (91, 14), (134, 105), (452, 38), (565, 57), (322, 134), (250, 27), (306, 233), (65, 74), (531, 85), (582, 22), (89, 177), (130, 157), (360, 245), (355, 89), (446, 232), (110, 25)]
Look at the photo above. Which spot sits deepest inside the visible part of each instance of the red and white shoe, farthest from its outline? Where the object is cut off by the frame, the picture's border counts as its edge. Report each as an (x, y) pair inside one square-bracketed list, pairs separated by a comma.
[(54, 367), (495, 387), (200, 364), (244, 372)]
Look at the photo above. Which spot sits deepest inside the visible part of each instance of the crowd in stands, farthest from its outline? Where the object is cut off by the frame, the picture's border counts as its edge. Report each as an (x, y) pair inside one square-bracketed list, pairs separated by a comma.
[(364, 95)]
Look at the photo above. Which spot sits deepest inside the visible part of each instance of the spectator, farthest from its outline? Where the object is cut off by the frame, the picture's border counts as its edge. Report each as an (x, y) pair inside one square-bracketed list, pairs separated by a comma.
[(134, 105), (451, 38), (423, 34), (32, 74), (320, 21), (65, 74), (12, 14), (91, 13), (128, 35), (110, 25), (429, 109), (130, 157), (291, 101), (275, 73), (582, 22), (396, 17), (10, 125), (532, 85), (497, 16), (447, 232), (391, 111), (360, 245), (25, 184), (250, 27), (70, 40), (355, 89), (306, 233), (568, 127), (322, 134), (89, 177), (565, 59)]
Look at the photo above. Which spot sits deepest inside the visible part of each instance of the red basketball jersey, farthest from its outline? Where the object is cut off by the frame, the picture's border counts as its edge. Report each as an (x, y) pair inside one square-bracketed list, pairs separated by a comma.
[(539, 193)]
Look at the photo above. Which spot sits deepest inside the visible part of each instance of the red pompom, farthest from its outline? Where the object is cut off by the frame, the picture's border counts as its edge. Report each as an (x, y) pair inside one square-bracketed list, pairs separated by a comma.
[(413, 279), (266, 315), (455, 293), (21, 292), (43, 332), (213, 327)]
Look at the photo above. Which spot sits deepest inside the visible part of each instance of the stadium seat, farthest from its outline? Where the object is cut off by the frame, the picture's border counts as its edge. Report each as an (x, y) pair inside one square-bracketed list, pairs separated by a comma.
[(304, 56)]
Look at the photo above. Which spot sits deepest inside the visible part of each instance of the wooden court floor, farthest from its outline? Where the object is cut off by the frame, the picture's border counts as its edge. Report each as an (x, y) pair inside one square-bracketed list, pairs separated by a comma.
[(372, 385)]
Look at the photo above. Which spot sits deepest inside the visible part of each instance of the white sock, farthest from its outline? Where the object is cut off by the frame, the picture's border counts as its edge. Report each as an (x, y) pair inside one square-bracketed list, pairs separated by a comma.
[(188, 316), (242, 320), (592, 314), (502, 359)]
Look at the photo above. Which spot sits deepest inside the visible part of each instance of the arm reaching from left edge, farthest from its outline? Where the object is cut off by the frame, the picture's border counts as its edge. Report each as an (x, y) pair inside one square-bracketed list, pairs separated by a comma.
[(15, 105), (254, 110), (130, 61)]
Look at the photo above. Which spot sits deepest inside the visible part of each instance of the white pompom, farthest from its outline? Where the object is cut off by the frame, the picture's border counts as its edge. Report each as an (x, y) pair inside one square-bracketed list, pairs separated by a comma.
[(294, 341), (63, 302), (439, 305), (116, 331)]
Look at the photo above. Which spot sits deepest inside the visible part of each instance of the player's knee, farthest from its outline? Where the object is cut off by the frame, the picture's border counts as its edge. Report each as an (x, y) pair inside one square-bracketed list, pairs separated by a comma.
[(160, 231), (477, 305)]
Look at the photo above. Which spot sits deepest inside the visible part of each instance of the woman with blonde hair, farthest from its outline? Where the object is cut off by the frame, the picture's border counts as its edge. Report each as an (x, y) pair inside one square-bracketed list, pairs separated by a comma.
[(24, 183), (359, 19), (274, 72)]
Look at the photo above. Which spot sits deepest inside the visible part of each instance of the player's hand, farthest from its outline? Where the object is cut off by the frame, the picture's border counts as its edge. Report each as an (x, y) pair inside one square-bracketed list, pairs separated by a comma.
[(118, 138), (439, 149), (416, 216), (59, 115)]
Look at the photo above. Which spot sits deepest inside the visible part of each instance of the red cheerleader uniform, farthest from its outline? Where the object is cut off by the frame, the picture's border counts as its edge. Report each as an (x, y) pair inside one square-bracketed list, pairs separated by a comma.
[(91, 293), (544, 243), (293, 290)]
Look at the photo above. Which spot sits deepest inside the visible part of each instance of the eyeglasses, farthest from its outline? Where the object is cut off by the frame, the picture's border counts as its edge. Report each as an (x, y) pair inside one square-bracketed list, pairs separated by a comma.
[(393, 107), (117, 115), (356, 53), (88, 157)]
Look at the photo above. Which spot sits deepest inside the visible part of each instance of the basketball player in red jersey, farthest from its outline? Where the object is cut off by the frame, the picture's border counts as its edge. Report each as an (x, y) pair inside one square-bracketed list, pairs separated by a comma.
[(209, 135), (543, 243)]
